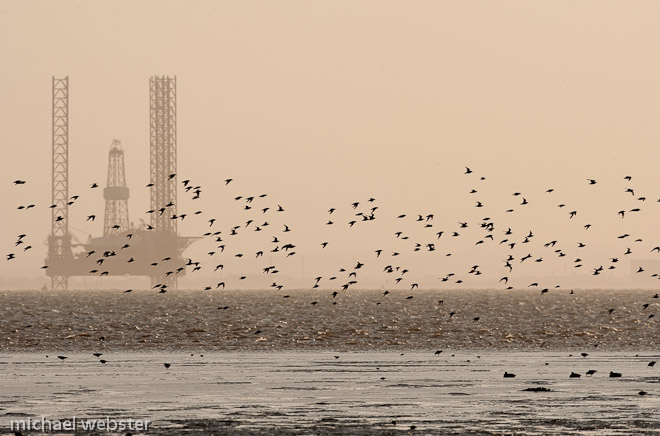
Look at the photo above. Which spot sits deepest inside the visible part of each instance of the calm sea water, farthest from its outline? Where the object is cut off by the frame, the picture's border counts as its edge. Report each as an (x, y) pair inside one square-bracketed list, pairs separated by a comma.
[(521, 320)]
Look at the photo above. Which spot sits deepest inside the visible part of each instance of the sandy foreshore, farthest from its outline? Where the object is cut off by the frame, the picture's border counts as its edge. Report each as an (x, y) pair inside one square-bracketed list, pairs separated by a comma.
[(338, 393)]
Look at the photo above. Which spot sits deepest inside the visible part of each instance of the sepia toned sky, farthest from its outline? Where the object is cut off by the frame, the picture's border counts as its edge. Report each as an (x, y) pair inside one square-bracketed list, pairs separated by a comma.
[(322, 104)]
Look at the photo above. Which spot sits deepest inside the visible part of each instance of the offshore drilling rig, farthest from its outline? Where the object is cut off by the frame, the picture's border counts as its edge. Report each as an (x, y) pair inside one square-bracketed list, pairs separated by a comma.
[(154, 249)]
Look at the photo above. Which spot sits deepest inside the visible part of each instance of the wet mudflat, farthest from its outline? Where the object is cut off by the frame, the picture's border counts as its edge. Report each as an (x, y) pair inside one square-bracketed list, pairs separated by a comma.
[(243, 393)]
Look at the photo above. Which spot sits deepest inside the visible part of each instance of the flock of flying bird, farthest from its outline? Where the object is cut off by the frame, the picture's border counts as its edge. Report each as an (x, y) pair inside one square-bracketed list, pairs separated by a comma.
[(364, 212)]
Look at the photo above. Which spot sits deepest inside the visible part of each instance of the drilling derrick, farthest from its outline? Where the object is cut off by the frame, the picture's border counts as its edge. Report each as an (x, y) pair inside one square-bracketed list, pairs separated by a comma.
[(59, 240), (116, 193)]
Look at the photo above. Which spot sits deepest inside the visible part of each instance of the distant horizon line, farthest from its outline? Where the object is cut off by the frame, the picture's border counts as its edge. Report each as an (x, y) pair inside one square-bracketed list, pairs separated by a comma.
[(534, 290)]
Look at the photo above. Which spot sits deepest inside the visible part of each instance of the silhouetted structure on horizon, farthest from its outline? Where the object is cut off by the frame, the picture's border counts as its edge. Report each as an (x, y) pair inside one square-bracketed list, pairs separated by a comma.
[(152, 250)]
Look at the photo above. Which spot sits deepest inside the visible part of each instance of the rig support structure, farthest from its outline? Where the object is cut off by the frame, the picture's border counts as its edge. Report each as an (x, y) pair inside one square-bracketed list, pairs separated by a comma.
[(162, 99), (163, 135), (59, 240)]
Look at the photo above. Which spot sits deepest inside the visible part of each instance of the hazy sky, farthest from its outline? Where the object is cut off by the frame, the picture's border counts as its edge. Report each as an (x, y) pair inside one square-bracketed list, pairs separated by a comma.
[(321, 104)]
